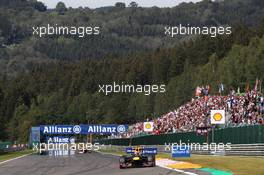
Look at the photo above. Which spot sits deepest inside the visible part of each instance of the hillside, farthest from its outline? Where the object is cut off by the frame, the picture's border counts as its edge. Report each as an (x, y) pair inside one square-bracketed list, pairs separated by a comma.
[(54, 80), (123, 30)]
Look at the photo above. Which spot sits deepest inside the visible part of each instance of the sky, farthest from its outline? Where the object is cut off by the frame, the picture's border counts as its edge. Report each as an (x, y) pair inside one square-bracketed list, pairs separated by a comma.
[(102, 3)]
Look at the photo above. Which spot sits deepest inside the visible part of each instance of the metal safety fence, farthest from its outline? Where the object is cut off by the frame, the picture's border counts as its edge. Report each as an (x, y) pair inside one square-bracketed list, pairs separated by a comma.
[(230, 150)]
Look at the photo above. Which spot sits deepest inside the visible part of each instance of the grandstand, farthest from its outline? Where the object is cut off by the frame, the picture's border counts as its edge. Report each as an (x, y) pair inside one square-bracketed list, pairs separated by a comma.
[(241, 110)]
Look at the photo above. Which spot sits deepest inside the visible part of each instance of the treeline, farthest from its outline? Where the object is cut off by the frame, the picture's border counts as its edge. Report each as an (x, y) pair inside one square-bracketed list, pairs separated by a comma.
[(125, 29), (62, 92)]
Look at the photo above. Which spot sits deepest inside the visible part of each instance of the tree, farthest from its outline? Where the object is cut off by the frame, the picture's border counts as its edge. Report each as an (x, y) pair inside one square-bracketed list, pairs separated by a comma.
[(39, 6), (61, 8), (133, 4), (120, 5)]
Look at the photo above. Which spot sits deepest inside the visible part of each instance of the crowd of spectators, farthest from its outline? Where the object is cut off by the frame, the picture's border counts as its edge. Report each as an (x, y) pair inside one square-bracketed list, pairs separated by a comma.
[(246, 109), (241, 109)]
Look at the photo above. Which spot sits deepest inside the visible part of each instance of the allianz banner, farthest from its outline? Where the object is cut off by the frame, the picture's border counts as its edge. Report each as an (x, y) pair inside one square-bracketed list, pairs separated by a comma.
[(59, 139), (83, 129)]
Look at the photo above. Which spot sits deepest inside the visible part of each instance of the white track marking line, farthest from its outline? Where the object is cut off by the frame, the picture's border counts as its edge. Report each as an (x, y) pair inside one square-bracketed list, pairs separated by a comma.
[(15, 158), (177, 170)]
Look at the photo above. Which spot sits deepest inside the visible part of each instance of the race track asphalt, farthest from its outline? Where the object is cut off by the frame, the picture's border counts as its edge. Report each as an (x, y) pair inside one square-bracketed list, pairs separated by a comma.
[(78, 164)]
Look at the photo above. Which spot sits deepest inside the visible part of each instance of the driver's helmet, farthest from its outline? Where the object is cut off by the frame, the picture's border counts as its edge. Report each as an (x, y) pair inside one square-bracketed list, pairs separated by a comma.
[(138, 150)]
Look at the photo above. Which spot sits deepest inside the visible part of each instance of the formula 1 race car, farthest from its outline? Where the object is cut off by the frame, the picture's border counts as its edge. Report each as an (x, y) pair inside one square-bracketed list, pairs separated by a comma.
[(138, 157)]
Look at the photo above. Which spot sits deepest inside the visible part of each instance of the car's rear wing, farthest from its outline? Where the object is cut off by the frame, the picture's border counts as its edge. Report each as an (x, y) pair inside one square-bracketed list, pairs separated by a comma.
[(131, 150)]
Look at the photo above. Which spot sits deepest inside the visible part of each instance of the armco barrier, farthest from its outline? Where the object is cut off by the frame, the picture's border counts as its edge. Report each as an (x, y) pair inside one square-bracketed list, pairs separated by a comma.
[(8, 147), (235, 135), (5, 145)]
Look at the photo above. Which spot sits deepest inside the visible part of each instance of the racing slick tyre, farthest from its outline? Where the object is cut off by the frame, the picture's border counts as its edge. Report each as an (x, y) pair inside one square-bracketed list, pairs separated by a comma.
[(122, 160), (151, 161)]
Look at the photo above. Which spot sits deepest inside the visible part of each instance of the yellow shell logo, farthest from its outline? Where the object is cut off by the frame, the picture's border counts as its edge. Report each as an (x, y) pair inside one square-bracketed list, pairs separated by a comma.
[(217, 117), (148, 126)]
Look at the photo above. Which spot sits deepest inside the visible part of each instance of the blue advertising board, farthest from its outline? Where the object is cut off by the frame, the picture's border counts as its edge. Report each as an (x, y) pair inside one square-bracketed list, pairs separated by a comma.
[(144, 151), (83, 129), (34, 136), (180, 151)]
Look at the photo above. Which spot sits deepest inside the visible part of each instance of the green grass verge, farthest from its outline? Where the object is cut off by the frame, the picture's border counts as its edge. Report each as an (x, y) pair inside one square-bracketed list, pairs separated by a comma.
[(11, 155), (238, 165)]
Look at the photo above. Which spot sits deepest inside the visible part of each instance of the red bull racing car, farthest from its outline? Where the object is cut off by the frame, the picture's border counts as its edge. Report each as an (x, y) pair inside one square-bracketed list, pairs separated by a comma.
[(138, 157)]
